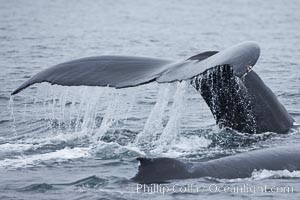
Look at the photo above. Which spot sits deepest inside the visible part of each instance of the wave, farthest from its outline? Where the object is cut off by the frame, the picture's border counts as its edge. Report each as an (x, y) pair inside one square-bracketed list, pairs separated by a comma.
[(89, 182), (43, 187), (62, 155)]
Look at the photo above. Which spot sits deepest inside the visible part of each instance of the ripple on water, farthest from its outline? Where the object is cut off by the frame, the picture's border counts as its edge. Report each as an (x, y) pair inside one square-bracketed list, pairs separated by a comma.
[(92, 182), (40, 188)]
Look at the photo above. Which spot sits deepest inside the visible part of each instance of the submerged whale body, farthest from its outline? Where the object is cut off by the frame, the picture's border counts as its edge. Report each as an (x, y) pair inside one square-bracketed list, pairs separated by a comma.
[(235, 94), (157, 170)]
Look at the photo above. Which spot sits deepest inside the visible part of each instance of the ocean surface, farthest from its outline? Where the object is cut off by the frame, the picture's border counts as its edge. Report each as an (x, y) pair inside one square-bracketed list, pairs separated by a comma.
[(82, 142)]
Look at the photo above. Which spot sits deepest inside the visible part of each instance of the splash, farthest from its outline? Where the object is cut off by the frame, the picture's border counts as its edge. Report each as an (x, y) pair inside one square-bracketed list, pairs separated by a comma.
[(105, 120)]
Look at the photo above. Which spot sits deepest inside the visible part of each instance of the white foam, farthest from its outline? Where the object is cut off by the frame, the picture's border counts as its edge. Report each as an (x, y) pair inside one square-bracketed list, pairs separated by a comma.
[(50, 139), (35, 160), (111, 149), (183, 146), (135, 149), (263, 174), (9, 147), (192, 143)]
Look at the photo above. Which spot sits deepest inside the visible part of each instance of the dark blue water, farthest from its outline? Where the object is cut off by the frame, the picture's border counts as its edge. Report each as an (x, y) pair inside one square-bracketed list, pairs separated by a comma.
[(81, 142)]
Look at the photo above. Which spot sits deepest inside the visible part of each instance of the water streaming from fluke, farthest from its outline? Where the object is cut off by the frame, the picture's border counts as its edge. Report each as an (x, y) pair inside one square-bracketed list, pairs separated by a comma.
[(154, 121), (150, 121)]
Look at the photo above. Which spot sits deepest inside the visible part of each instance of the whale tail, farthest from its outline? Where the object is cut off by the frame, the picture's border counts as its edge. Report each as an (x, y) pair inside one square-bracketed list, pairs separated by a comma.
[(227, 98), (113, 71), (158, 170), (243, 103), (236, 95)]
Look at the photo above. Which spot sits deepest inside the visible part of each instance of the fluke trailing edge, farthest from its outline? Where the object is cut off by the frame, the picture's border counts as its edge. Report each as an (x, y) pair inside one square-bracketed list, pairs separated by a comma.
[(235, 94), (157, 170)]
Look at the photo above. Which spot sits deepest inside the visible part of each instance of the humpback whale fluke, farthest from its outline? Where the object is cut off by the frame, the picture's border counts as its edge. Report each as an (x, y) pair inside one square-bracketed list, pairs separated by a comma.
[(236, 95), (242, 165)]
